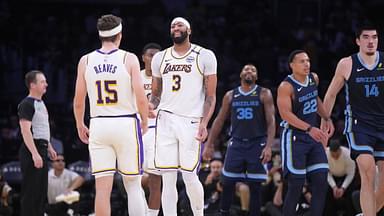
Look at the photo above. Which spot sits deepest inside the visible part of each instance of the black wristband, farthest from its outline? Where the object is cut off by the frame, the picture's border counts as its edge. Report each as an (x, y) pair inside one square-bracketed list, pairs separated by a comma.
[(308, 129)]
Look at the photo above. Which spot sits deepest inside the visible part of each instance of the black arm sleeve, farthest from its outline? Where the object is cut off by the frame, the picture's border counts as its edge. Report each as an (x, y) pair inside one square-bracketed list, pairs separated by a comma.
[(26, 109)]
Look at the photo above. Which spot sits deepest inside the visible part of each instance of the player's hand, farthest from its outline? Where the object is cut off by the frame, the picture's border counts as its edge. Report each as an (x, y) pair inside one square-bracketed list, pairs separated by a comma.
[(266, 155), (318, 135), (83, 133), (202, 134), (52, 153), (208, 152), (152, 113), (144, 127), (327, 126), (37, 160)]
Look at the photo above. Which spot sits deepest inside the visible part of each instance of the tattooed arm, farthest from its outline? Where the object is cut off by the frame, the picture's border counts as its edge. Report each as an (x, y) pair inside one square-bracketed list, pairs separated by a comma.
[(157, 87), (210, 83)]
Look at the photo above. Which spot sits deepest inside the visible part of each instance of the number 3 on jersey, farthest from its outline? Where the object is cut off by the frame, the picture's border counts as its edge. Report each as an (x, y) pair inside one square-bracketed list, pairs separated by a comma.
[(176, 82), (109, 89)]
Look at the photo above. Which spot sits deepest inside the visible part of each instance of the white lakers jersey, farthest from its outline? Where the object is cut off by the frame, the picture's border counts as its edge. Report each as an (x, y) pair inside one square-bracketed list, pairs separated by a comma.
[(182, 79), (147, 81), (109, 84)]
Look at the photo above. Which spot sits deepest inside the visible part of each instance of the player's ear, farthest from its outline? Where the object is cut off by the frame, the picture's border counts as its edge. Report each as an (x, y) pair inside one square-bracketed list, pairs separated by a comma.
[(358, 41)]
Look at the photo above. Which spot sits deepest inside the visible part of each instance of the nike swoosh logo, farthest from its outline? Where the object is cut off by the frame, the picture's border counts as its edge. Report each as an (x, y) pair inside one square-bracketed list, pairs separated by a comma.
[(236, 95), (167, 60), (194, 122), (299, 89), (359, 69), (262, 144)]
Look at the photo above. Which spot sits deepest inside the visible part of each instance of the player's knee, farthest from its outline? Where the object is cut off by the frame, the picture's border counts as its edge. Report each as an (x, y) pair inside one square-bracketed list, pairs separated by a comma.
[(190, 177), (132, 179), (243, 188)]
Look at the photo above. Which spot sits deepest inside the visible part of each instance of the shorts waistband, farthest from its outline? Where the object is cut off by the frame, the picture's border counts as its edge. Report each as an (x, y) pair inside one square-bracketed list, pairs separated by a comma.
[(248, 139), (117, 116)]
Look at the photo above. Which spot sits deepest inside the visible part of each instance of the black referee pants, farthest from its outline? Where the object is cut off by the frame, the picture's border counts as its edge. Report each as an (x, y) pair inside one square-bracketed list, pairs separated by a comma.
[(34, 185)]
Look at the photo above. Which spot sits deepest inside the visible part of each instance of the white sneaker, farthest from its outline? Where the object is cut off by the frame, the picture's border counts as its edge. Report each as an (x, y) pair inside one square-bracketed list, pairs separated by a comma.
[(360, 214)]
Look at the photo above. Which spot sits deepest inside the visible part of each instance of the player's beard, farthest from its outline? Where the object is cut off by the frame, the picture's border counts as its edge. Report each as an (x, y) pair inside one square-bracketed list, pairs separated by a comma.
[(249, 81), (370, 53), (178, 40)]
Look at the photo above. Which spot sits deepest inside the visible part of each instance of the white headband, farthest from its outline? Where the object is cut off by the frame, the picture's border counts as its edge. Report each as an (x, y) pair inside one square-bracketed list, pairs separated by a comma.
[(111, 32), (182, 20)]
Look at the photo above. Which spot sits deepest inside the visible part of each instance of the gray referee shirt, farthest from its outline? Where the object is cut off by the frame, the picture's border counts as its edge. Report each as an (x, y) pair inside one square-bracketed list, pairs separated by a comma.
[(34, 110)]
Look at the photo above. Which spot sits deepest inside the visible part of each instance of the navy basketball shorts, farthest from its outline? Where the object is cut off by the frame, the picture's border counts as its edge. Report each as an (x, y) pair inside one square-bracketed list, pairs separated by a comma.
[(301, 154), (364, 139), (243, 162)]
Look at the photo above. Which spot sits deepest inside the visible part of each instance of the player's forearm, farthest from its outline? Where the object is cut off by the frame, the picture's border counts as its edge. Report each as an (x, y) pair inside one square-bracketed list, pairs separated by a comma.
[(209, 107), (214, 132), (328, 103), (78, 111), (294, 121), (321, 110), (157, 88), (271, 130), (142, 105), (155, 101)]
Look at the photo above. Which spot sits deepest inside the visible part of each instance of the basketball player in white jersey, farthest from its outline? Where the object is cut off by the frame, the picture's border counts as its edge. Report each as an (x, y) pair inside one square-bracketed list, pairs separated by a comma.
[(152, 176), (184, 91), (111, 78)]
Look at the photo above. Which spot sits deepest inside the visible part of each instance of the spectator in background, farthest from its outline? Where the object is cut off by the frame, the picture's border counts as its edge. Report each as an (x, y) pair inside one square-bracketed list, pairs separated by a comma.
[(61, 181), (340, 176), (5, 189), (213, 188)]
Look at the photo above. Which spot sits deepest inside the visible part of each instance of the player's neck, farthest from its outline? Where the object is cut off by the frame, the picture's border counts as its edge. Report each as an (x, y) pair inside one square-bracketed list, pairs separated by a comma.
[(182, 48), (108, 46), (246, 87), (300, 78), (368, 59)]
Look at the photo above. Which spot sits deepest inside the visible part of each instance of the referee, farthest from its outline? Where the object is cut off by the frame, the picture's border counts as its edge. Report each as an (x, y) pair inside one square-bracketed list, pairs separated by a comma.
[(34, 125)]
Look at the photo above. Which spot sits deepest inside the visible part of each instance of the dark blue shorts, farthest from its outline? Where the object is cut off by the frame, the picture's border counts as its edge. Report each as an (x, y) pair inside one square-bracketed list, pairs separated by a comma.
[(243, 162), (364, 139), (301, 154)]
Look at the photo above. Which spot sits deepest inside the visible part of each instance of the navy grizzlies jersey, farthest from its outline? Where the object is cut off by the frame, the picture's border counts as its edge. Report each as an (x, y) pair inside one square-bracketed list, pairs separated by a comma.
[(304, 101), (247, 114), (365, 93)]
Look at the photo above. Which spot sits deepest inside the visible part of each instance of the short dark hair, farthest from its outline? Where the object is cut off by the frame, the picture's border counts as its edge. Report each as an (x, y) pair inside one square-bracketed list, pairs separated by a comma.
[(151, 46), (364, 26), (334, 145), (108, 22), (216, 159), (30, 77), (293, 54)]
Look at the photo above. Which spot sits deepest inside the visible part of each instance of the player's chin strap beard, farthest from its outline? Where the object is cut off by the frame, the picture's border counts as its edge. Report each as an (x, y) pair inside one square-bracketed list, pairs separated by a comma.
[(248, 82)]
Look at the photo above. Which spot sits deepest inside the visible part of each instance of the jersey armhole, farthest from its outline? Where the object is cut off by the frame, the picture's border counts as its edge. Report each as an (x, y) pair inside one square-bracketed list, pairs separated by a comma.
[(162, 59), (125, 57), (197, 61), (86, 60)]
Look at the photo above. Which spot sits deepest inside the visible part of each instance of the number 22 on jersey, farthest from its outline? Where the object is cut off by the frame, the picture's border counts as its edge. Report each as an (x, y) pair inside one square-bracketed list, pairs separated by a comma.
[(109, 95)]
